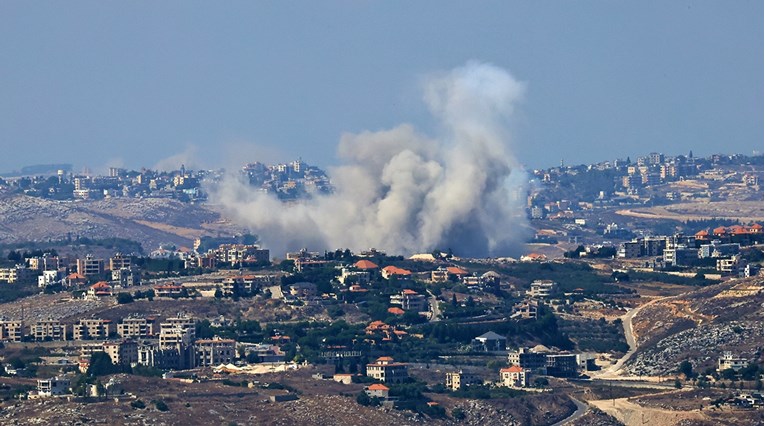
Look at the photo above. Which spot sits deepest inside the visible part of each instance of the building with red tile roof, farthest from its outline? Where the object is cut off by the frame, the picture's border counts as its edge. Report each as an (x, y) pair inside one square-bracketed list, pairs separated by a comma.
[(391, 271), (366, 265)]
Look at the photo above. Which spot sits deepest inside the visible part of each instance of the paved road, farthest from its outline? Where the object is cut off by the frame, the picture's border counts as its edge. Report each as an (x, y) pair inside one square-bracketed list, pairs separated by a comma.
[(435, 310), (581, 409)]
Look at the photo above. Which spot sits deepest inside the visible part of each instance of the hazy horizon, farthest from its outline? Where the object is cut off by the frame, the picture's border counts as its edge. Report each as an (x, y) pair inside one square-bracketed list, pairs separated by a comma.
[(143, 84)]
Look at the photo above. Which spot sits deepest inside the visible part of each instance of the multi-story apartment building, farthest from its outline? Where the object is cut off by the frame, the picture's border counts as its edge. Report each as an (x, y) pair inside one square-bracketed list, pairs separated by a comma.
[(541, 289), (126, 277), (49, 329), (728, 361), (124, 352), (409, 300), (90, 266), (92, 329), (514, 377), (119, 261), (136, 327), (214, 351), (44, 263), (456, 380), (387, 371), (177, 332), (18, 275), (12, 331)]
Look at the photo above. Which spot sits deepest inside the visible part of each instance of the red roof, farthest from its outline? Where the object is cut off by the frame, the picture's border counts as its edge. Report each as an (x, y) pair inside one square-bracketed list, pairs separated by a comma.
[(396, 311), (720, 230), (409, 291), (385, 358), (392, 270), (512, 369), (702, 233), (379, 387), (101, 285), (756, 226), (365, 264), (456, 271)]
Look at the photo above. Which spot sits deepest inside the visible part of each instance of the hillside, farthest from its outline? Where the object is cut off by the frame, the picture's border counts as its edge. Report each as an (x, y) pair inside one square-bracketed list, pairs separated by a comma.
[(150, 221), (699, 326)]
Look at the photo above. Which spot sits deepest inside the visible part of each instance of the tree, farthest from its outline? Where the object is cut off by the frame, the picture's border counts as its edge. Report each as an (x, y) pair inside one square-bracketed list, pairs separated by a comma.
[(686, 368), (101, 365), (728, 374), (161, 406), (123, 298)]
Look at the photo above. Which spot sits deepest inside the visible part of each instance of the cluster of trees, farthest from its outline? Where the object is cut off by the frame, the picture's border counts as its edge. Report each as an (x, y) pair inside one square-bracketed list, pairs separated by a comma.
[(544, 328)]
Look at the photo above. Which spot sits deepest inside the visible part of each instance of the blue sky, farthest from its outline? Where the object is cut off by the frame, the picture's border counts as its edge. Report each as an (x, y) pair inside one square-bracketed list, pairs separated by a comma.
[(222, 83)]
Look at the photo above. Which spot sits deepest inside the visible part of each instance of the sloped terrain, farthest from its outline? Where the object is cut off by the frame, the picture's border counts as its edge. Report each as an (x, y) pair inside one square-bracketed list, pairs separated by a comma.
[(151, 221), (699, 326)]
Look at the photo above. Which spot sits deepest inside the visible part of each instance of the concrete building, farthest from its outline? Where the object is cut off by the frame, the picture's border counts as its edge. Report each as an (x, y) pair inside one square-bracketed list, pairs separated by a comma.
[(729, 265), (377, 391), (728, 361), (50, 278), (48, 330), (92, 329), (53, 386), (514, 377), (136, 327), (18, 274), (489, 342), (119, 261), (124, 352), (386, 370), (680, 256), (11, 331), (456, 380), (528, 360), (177, 332), (542, 289), (126, 277), (409, 300), (216, 351), (90, 266)]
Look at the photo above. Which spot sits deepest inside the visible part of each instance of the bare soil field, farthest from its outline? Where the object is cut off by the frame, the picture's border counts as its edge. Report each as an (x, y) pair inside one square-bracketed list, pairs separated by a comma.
[(745, 211), (686, 407)]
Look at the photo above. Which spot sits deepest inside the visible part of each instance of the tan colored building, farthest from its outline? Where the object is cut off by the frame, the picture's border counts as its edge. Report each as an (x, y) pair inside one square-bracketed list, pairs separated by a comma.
[(119, 261), (48, 330), (177, 332), (92, 329), (386, 370), (124, 352), (11, 331), (90, 266), (214, 351), (457, 380), (514, 377), (136, 327)]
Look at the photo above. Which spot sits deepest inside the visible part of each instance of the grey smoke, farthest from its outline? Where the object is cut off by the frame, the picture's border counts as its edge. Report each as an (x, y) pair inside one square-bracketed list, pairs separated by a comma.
[(405, 192)]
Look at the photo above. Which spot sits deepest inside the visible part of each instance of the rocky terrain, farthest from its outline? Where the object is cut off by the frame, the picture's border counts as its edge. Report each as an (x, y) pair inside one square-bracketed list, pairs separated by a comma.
[(699, 326), (319, 402), (151, 221)]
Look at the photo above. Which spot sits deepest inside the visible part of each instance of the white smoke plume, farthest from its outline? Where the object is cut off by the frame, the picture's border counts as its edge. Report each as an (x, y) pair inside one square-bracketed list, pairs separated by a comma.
[(404, 192)]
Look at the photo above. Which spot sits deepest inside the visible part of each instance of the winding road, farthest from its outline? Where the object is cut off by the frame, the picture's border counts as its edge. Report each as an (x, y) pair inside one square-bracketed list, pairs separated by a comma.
[(581, 409), (629, 334)]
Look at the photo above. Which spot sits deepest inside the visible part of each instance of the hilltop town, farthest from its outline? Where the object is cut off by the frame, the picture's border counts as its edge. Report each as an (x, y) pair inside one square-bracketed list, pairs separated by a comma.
[(639, 294)]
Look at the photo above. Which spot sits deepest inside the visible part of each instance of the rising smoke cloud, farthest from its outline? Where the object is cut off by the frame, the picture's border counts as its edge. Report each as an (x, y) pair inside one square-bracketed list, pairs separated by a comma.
[(405, 192)]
